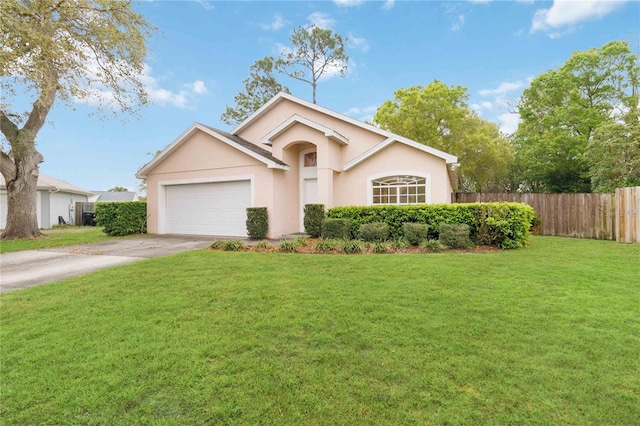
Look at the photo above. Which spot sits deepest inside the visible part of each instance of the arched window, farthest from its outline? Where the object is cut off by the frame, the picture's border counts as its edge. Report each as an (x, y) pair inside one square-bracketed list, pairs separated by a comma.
[(401, 189)]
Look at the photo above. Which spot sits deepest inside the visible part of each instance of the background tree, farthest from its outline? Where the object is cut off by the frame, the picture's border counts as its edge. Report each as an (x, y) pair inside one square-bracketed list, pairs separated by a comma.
[(67, 50), (563, 109), (118, 189), (315, 52), (261, 86), (438, 115), (613, 154)]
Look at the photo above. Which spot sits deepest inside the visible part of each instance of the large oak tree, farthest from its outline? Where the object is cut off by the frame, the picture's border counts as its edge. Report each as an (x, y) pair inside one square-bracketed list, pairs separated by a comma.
[(438, 115), (567, 109), (72, 50)]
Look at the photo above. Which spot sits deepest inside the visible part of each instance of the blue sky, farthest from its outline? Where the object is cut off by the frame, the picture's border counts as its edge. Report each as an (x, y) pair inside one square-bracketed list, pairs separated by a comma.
[(203, 51)]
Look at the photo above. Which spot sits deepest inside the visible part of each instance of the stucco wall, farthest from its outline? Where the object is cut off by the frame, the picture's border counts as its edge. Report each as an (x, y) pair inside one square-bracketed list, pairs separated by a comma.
[(204, 157), (351, 187)]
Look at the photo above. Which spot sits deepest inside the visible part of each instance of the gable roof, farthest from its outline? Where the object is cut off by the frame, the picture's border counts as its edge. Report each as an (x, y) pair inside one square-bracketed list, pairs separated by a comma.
[(48, 183), (296, 119), (234, 141), (398, 138)]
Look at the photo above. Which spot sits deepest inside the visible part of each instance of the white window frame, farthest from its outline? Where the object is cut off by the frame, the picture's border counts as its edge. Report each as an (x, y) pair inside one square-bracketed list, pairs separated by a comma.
[(421, 175)]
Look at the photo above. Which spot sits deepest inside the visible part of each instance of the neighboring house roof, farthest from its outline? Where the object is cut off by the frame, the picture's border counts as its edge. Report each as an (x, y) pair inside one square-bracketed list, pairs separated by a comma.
[(103, 196), (235, 141), (48, 183), (450, 159)]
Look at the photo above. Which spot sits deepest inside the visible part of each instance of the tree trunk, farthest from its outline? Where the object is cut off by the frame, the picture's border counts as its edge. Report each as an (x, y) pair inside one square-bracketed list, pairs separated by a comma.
[(22, 219)]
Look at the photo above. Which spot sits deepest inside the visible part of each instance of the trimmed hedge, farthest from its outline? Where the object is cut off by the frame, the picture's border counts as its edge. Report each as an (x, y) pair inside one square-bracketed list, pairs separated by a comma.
[(455, 236), (257, 222), (122, 218), (313, 217), (336, 229), (415, 232), (374, 231), (505, 225)]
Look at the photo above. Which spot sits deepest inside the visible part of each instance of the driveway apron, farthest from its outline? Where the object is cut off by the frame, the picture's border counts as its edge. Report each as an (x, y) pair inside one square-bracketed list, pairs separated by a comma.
[(25, 269)]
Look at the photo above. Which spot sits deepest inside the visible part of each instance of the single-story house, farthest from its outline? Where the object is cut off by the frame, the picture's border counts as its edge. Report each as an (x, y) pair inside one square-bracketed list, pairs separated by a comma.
[(55, 198), (107, 196), (287, 154)]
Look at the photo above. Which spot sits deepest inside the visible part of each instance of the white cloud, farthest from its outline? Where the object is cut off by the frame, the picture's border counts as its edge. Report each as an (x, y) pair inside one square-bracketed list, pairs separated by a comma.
[(482, 105), (321, 20), (359, 43), (362, 114), (388, 4), (348, 3), (205, 4), (277, 23), (508, 122), (503, 88), (458, 24), (480, 1), (199, 88), (563, 15)]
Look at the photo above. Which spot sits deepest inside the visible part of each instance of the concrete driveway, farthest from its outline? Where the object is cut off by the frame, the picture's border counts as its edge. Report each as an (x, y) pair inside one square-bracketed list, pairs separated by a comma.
[(24, 269)]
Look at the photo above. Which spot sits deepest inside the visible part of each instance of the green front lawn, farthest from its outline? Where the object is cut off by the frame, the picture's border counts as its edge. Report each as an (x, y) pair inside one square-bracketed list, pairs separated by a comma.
[(57, 238), (543, 335)]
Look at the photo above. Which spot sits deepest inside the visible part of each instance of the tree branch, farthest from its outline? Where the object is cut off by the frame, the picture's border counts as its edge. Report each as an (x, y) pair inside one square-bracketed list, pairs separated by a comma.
[(8, 128), (7, 166)]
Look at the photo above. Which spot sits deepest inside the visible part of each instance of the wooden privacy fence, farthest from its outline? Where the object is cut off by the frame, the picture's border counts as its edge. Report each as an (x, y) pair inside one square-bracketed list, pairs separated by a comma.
[(597, 216), (83, 207)]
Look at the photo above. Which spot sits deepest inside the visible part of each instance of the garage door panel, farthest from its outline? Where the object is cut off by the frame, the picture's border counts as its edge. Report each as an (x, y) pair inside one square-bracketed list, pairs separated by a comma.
[(217, 208)]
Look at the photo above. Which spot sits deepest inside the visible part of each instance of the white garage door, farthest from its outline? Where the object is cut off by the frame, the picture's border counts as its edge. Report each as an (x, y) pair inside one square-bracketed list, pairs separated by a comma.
[(217, 208)]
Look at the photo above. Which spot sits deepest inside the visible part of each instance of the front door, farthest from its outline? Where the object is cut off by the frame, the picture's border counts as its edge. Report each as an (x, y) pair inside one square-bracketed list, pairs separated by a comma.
[(308, 181)]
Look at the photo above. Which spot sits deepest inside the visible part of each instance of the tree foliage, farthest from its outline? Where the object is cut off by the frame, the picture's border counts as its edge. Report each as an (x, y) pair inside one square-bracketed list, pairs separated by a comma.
[(118, 189), (74, 50), (438, 115), (565, 110), (259, 87), (314, 53)]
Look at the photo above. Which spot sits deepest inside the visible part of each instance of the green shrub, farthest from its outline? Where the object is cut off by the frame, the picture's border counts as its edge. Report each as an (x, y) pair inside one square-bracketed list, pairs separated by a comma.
[(122, 218), (336, 229), (288, 246), (313, 217), (415, 233), (431, 246), (257, 222), (455, 236), (374, 231), (505, 225), (232, 245), (263, 245), (399, 244), (380, 247), (300, 242), (216, 245), (351, 246), (326, 246)]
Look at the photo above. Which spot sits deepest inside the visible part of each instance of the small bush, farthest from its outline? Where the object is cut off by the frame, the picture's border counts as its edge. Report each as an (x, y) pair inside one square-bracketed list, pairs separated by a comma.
[(263, 245), (257, 222), (313, 217), (455, 236), (216, 245), (399, 244), (336, 229), (351, 246), (380, 247), (288, 246), (232, 245), (326, 246), (374, 231), (431, 246), (122, 218), (415, 233), (300, 242)]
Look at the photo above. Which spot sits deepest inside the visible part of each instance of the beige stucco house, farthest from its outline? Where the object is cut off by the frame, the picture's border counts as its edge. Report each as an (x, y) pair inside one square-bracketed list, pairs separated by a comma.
[(287, 154)]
